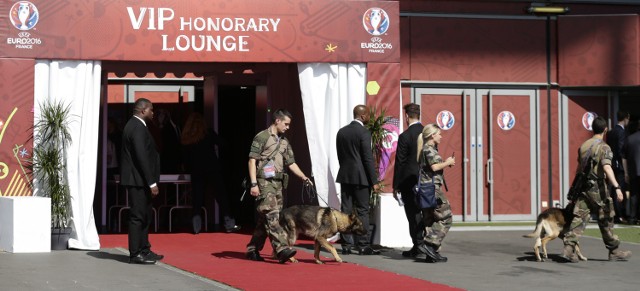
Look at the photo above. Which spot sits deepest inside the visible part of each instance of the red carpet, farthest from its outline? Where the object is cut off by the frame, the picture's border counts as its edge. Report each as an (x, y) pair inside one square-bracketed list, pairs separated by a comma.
[(220, 257)]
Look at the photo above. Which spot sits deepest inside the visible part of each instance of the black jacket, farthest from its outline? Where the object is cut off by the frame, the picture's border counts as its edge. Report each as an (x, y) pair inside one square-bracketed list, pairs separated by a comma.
[(353, 145), (405, 170), (615, 140), (139, 160)]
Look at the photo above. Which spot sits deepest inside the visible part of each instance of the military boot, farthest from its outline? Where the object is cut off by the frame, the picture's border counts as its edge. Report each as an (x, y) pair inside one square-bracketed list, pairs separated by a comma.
[(569, 254), (618, 255)]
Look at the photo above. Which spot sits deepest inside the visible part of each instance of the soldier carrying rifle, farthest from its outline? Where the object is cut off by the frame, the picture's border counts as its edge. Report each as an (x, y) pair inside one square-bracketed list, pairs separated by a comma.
[(589, 193)]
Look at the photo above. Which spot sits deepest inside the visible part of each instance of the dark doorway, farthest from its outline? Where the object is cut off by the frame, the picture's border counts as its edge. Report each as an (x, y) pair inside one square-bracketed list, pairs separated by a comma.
[(630, 101), (236, 109)]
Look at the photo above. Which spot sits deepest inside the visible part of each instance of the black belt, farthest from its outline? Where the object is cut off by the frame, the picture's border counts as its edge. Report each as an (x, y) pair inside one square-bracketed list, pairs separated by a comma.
[(278, 176)]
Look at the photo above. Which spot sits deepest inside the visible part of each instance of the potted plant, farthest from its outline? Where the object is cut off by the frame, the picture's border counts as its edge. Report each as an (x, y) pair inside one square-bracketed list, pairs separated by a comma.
[(51, 138), (379, 133)]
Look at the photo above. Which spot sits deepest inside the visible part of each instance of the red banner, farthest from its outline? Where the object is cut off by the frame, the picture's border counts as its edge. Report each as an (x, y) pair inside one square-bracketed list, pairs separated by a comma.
[(202, 31), (16, 119)]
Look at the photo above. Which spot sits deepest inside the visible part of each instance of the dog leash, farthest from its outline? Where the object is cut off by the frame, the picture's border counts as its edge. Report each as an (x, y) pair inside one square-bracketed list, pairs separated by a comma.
[(311, 193)]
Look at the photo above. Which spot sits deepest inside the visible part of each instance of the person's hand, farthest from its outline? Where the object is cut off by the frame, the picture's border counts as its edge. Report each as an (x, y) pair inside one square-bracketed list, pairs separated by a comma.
[(376, 187), (307, 182), (255, 191), (620, 196), (451, 161), (155, 191)]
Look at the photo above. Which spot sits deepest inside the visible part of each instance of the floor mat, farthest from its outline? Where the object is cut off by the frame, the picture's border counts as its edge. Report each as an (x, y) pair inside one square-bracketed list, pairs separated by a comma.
[(221, 257)]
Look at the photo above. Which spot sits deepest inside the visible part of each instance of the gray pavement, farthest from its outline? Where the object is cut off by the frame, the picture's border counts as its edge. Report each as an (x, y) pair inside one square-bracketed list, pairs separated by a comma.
[(106, 269), (490, 258)]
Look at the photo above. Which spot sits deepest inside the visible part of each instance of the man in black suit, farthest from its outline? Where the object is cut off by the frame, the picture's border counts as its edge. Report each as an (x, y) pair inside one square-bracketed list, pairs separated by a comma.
[(405, 173), (631, 163), (615, 139), (140, 174), (356, 176)]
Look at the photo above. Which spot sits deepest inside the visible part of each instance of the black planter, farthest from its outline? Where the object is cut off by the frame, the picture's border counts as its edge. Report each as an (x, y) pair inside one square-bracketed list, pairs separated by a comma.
[(60, 237)]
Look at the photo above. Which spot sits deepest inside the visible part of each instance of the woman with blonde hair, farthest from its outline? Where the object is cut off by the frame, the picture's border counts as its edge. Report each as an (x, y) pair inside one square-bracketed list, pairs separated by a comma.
[(437, 220)]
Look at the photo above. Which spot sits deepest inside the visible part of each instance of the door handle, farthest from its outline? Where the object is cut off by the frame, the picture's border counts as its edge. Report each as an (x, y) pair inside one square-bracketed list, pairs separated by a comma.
[(489, 170)]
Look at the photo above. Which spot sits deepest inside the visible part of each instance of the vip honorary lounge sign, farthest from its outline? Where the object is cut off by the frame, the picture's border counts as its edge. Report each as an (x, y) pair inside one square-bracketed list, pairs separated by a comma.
[(202, 31)]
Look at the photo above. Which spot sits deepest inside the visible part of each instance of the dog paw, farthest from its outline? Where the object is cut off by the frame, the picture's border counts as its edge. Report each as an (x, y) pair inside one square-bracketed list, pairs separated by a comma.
[(293, 260), (319, 262)]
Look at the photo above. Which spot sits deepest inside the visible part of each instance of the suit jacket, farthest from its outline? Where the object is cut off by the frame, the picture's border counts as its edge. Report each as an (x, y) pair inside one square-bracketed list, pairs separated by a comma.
[(405, 170), (632, 154), (615, 140), (140, 161), (353, 145)]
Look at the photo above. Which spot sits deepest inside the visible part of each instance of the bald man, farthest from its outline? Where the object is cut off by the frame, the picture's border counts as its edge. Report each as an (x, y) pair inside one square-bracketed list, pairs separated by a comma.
[(357, 175)]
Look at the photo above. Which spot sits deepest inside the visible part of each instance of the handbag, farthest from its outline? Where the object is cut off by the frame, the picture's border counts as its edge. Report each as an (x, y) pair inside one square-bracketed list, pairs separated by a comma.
[(425, 193)]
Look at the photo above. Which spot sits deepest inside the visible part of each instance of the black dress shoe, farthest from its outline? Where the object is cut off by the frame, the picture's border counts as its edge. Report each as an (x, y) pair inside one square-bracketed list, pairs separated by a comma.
[(141, 259), (153, 256), (439, 259), (412, 253), (346, 251), (255, 256), (285, 255), (367, 251), (429, 251)]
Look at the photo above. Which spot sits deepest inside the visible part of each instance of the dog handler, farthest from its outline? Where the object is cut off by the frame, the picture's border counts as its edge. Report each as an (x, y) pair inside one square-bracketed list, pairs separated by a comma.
[(595, 197), (437, 221), (270, 153)]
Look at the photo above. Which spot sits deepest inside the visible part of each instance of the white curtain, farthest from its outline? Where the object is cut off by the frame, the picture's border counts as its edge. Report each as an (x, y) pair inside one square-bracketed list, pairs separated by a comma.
[(329, 94), (76, 83)]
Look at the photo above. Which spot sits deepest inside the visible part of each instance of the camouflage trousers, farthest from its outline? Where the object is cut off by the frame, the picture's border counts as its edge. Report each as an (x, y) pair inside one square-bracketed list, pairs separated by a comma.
[(437, 221), (268, 206), (582, 213)]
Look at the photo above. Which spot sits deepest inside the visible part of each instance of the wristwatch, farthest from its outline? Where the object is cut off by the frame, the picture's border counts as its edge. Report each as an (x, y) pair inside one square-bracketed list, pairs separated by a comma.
[(616, 187), (254, 185)]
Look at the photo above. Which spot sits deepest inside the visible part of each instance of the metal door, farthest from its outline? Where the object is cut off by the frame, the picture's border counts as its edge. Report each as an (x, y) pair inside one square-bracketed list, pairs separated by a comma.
[(495, 177), (510, 135), (450, 108)]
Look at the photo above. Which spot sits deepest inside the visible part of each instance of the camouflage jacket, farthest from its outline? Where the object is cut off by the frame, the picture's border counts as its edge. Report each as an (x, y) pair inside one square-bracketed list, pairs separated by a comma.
[(430, 156), (601, 155), (263, 146)]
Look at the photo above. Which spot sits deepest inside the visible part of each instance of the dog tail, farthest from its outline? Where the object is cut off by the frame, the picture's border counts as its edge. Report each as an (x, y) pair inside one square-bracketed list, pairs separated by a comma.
[(536, 232)]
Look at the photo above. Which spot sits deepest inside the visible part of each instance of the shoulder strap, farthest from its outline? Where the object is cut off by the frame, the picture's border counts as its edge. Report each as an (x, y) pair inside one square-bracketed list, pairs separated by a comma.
[(588, 155), (274, 151), (263, 137), (424, 160)]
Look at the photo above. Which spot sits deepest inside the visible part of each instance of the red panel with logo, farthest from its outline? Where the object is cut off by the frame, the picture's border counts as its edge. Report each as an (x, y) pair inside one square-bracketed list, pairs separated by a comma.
[(202, 31), (16, 120), (511, 154)]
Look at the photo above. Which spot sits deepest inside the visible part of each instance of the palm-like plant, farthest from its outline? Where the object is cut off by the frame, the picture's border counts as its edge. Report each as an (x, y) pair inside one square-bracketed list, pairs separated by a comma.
[(378, 134), (48, 166)]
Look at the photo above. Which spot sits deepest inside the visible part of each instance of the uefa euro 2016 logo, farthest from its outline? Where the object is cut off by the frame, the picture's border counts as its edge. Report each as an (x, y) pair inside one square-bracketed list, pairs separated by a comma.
[(587, 120), (445, 120), (506, 120), (375, 21), (24, 15)]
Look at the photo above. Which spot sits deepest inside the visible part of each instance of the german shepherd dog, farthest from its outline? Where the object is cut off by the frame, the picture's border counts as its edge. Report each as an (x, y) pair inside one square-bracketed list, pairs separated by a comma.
[(552, 223), (318, 223)]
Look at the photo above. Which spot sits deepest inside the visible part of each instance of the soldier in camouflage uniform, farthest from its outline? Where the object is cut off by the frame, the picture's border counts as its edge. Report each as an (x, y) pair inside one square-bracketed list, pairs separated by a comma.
[(595, 197), (437, 221), (269, 155)]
